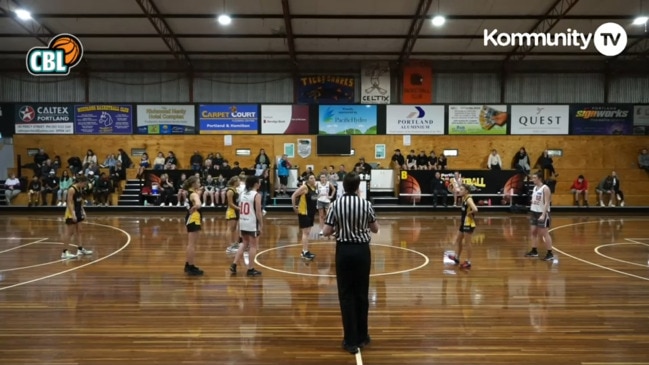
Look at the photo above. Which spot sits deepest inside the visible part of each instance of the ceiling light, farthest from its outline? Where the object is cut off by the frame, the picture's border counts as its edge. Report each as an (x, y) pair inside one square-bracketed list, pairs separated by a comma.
[(640, 20), (224, 19), (23, 14), (438, 20)]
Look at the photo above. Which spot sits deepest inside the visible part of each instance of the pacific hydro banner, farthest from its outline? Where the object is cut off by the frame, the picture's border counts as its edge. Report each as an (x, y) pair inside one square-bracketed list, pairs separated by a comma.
[(228, 119), (477, 119), (39, 118), (415, 119), (540, 119), (103, 119), (601, 119), (284, 119), (347, 119), (166, 119)]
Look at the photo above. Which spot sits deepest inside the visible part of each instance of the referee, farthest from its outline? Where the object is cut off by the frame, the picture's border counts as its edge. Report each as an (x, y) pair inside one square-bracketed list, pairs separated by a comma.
[(351, 219)]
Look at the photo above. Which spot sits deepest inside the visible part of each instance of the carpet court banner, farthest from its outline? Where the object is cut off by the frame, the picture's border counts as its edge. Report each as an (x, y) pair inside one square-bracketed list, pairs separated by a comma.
[(347, 119), (417, 83), (166, 119), (325, 89), (540, 119), (415, 119), (480, 182), (375, 83), (103, 119), (39, 118), (477, 119), (284, 119), (601, 119), (228, 119)]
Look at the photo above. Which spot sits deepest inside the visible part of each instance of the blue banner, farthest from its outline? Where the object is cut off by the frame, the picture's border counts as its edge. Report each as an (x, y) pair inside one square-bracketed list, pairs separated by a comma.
[(228, 119), (347, 119), (601, 119), (325, 89), (103, 119)]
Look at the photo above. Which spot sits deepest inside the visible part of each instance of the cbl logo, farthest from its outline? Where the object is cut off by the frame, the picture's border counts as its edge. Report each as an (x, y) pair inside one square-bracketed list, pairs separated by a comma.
[(62, 53)]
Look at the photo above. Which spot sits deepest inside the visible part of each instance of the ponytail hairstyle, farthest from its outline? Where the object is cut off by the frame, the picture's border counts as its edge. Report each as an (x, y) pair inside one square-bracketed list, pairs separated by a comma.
[(189, 183)]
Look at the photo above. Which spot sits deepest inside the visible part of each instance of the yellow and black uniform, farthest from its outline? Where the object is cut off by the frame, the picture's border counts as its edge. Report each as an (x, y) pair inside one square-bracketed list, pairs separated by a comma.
[(307, 207), (77, 196), (232, 213), (193, 220), (467, 222)]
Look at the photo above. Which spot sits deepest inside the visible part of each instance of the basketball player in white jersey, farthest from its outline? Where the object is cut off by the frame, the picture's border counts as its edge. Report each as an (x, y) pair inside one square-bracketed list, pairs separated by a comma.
[(250, 224), (326, 192), (540, 216)]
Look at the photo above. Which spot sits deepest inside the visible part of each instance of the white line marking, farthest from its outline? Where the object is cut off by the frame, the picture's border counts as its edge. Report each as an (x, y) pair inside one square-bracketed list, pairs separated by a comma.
[(359, 358), (589, 262), (426, 260), (21, 238), (128, 242), (25, 245), (616, 259)]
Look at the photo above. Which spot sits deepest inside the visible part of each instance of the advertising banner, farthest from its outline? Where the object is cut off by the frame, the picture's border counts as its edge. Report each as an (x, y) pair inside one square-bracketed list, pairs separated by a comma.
[(166, 119), (284, 119), (228, 119), (641, 119), (417, 83), (477, 119), (348, 119), (325, 89), (415, 119), (38, 118), (103, 119), (601, 119), (540, 119), (415, 182), (375, 83)]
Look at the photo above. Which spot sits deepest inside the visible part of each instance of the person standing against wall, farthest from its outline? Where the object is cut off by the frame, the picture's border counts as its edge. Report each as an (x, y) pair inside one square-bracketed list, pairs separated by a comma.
[(351, 219)]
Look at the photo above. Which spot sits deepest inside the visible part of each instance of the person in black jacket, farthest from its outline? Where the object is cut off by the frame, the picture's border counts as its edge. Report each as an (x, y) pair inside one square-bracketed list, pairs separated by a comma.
[(39, 159), (74, 164), (34, 191), (438, 188), (196, 161), (262, 158), (545, 162), (398, 160), (264, 189), (124, 157), (117, 175)]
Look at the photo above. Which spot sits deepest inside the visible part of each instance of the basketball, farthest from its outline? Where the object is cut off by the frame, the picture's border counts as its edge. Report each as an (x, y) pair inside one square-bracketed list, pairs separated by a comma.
[(71, 48), (411, 186)]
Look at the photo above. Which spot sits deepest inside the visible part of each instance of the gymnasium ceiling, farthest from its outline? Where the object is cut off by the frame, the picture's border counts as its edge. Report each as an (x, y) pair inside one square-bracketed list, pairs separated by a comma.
[(305, 30)]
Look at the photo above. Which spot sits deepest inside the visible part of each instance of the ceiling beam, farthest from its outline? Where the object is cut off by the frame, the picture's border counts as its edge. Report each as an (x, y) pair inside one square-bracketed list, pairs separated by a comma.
[(415, 29), (288, 27), (33, 27), (628, 17), (557, 12), (168, 37), (639, 47)]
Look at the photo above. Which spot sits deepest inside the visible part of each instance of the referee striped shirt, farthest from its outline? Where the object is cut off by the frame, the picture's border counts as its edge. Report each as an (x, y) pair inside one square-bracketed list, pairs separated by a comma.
[(350, 216)]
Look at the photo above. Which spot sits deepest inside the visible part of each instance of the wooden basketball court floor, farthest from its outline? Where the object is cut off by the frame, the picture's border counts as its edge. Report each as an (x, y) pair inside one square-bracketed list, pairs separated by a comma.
[(130, 303)]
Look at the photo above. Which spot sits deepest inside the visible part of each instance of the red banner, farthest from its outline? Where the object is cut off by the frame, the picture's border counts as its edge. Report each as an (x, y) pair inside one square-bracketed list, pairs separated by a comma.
[(417, 83)]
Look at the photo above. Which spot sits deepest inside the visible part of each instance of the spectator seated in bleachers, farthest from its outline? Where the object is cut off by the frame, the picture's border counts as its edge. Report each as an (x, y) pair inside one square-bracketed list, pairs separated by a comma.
[(422, 161), (34, 191), (12, 188), (606, 187), (196, 161), (182, 193), (124, 158), (167, 191), (117, 175), (616, 188), (398, 161), (432, 161), (439, 189), (64, 185), (50, 186), (411, 160), (144, 164), (546, 163), (494, 162), (103, 190), (643, 160), (209, 191), (579, 188), (159, 161), (521, 162), (171, 162), (442, 162), (90, 158), (75, 165), (109, 162)]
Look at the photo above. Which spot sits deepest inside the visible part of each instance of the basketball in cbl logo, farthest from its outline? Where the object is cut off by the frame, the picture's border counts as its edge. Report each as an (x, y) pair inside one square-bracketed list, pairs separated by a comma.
[(62, 53)]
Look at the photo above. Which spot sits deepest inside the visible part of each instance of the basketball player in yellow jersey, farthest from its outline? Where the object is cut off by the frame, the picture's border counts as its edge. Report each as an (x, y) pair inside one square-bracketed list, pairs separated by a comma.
[(75, 214), (306, 208), (467, 226), (193, 223), (232, 213)]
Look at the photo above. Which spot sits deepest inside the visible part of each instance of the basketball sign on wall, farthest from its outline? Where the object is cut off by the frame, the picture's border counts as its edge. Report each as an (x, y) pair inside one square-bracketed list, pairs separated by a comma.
[(62, 53)]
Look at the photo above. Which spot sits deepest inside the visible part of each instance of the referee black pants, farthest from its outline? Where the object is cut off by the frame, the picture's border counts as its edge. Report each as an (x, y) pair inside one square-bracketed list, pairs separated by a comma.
[(353, 261)]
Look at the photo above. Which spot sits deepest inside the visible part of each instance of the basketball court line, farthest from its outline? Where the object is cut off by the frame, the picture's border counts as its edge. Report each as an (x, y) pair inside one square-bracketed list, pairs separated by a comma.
[(38, 240), (359, 358), (616, 259), (590, 262), (126, 244), (426, 260)]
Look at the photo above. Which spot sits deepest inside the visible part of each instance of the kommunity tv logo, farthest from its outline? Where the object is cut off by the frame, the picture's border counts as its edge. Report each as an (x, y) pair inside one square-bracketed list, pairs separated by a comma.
[(609, 39)]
